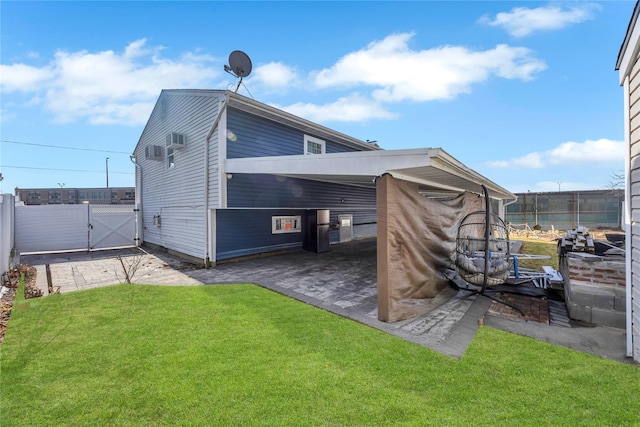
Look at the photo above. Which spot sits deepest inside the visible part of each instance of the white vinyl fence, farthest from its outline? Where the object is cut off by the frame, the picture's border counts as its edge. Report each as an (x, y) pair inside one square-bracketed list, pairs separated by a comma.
[(52, 228), (7, 239)]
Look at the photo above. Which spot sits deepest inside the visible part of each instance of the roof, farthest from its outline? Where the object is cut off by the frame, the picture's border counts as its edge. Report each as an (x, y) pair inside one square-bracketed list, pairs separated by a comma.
[(263, 110), (436, 172), (632, 35), (260, 109)]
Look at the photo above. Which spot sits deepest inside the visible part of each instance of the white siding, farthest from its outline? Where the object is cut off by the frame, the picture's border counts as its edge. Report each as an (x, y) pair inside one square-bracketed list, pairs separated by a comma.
[(177, 194), (215, 166), (634, 184)]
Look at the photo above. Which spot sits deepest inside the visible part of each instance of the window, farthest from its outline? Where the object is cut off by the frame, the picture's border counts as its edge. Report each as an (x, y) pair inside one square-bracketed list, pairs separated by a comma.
[(171, 158), (313, 145), (285, 224)]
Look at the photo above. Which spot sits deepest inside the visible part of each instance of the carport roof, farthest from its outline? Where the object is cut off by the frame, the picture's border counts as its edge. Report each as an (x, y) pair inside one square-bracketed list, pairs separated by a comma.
[(436, 172)]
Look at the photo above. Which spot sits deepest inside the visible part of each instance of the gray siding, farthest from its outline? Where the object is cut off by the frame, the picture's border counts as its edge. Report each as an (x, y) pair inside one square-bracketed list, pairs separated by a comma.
[(247, 231), (634, 130), (259, 137), (269, 191), (177, 194), (243, 232)]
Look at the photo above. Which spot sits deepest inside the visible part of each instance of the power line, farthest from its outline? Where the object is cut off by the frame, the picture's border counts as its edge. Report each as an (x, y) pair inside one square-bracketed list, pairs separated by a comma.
[(61, 147), (62, 170)]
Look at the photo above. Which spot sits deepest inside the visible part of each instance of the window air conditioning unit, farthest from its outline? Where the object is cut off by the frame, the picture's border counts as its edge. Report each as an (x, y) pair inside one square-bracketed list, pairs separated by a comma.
[(153, 152), (175, 140)]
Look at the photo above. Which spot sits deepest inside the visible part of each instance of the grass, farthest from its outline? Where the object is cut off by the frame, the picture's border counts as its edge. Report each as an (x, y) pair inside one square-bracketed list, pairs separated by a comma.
[(242, 355), (539, 247)]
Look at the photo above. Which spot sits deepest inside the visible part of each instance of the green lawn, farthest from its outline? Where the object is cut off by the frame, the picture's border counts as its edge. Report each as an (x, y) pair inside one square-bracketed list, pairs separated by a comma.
[(242, 355), (539, 247)]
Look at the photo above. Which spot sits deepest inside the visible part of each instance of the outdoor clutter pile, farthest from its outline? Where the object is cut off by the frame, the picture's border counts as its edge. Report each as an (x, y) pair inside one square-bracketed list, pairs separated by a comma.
[(10, 281), (577, 240), (10, 284)]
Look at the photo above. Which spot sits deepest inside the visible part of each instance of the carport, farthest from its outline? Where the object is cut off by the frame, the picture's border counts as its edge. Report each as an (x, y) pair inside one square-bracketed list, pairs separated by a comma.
[(437, 173), (413, 179)]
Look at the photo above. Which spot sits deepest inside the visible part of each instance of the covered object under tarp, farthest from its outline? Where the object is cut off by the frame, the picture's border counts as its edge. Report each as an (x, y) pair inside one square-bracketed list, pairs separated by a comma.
[(416, 238)]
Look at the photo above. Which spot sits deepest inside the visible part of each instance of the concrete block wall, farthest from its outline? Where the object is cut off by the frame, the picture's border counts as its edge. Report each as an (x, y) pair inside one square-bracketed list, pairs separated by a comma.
[(594, 288)]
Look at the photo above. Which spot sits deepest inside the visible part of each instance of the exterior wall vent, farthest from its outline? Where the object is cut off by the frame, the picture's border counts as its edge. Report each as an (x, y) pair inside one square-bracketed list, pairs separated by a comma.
[(153, 152), (175, 140)]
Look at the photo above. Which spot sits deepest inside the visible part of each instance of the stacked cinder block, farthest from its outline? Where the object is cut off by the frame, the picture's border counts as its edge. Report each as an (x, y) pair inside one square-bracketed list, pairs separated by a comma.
[(594, 288)]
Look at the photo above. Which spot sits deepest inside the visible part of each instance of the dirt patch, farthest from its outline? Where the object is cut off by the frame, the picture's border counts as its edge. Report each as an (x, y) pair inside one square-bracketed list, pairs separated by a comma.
[(550, 235), (10, 282)]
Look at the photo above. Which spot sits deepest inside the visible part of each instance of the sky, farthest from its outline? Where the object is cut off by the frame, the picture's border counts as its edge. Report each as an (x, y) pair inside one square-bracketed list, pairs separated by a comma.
[(524, 93)]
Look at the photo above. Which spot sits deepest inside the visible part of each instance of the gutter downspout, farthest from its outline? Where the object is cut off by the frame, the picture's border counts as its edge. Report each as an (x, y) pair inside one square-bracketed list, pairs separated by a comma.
[(223, 106), (138, 205), (627, 220), (503, 214)]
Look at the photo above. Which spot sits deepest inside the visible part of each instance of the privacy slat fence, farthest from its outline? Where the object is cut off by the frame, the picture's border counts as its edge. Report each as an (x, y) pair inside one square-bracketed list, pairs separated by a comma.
[(52, 228)]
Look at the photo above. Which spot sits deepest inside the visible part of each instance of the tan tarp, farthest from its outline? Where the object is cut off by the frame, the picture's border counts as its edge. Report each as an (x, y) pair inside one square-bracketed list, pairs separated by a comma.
[(416, 237)]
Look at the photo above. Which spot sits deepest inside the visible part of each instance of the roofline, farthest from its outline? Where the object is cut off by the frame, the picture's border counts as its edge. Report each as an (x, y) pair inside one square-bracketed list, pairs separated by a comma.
[(451, 161), (629, 35), (372, 163), (268, 111)]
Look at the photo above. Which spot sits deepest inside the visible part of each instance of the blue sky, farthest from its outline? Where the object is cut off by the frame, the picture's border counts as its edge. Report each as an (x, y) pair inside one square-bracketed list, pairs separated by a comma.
[(525, 93)]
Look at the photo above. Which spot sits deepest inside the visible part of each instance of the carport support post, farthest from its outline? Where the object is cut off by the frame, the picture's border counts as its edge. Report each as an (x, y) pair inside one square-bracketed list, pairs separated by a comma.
[(382, 199)]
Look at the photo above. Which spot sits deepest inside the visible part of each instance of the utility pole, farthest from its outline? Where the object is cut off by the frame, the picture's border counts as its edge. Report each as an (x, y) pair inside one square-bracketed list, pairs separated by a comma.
[(107, 170)]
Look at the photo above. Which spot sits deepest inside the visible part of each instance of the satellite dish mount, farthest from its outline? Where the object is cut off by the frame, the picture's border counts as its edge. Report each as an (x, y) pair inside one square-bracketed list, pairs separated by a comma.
[(239, 66)]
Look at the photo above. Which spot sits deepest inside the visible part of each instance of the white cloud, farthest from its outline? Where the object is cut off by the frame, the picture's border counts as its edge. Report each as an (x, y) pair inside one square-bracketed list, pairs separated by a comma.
[(522, 21), (345, 109), (23, 78), (107, 87), (274, 76), (400, 73), (568, 154), (6, 116)]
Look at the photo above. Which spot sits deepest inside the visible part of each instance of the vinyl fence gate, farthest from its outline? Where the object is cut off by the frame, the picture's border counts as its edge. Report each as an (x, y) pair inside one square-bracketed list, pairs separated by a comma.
[(50, 228)]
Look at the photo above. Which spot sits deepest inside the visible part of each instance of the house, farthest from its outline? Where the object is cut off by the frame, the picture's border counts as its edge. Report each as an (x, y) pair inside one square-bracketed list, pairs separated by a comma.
[(220, 176), (628, 68)]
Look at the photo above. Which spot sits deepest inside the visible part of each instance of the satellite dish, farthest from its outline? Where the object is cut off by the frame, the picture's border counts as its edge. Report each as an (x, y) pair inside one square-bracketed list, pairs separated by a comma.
[(239, 65)]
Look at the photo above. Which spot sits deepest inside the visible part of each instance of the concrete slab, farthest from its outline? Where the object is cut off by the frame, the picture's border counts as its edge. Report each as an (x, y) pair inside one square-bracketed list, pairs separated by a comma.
[(600, 341)]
